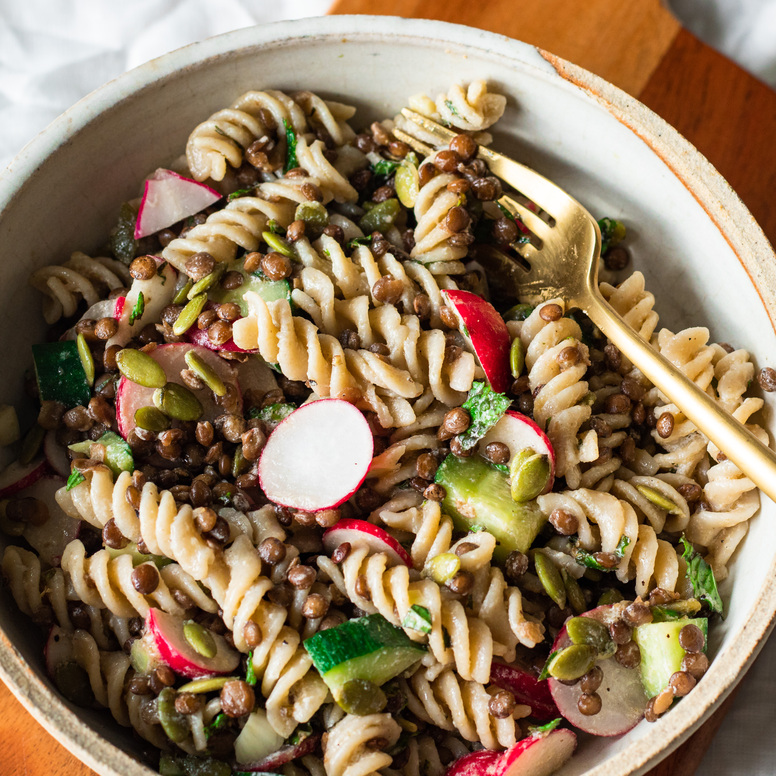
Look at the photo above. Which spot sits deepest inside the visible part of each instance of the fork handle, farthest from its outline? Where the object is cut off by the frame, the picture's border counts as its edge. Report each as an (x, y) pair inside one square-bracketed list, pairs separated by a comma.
[(754, 458)]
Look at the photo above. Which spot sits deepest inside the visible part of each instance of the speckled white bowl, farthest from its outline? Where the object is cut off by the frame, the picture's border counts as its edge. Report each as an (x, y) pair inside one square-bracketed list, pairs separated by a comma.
[(704, 257)]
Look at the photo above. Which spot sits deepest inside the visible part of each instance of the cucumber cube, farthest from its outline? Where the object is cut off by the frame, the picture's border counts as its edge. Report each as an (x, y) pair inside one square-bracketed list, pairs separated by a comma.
[(368, 648), (60, 373)]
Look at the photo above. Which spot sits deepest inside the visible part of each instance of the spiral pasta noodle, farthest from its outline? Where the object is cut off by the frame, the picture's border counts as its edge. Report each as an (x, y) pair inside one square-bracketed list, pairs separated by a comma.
[(432, 239), (347, 751)]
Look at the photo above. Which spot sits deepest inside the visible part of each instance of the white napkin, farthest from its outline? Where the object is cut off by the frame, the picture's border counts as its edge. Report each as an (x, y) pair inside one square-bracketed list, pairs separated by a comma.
[(53, 52)]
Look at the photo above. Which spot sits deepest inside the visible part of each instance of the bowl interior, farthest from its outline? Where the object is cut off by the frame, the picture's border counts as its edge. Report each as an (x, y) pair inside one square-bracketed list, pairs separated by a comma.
[(698, 270)]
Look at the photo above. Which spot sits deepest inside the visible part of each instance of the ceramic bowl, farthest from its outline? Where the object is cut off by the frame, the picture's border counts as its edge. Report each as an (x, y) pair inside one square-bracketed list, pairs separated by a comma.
[(703, 255)]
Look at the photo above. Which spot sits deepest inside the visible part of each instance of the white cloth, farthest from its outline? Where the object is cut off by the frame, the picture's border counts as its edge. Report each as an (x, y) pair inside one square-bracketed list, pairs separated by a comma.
[(53, 52)]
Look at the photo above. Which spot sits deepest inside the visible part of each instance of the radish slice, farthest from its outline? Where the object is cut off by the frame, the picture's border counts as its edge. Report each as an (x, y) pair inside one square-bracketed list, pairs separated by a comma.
[(526, 688), (621, 691), (171, 357), (519, 432), (119, 306), (482, 763), (50, 539), (199, 337), (256, 374), (360, 533), (486, 330), (105, 308), (18, 476), (273, 762), (169, 198), (166, 632), (540, 754), (317, 457), (56, 454), (58, 649)]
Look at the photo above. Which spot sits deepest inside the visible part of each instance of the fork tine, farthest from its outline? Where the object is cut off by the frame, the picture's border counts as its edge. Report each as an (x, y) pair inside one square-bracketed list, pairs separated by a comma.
[(527, 181), (414, 143)]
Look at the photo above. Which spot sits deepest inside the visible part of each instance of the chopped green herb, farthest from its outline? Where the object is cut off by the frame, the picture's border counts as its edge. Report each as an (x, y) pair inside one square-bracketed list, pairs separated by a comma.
[(385, 167), (542, 730), (272, 413), (299, 735), (138, 309), (291, 160), (418, 618), (612, 233), (356, 241), (118, 454), (122, 240), (221, 131), (701, 576), (160, 272), (250, 674), (449, 105), (275, 227), (502, 467), (588, 560), (75, 478), (241, 193), (477, 528), (219, 722), (545, 671), (486, 408)]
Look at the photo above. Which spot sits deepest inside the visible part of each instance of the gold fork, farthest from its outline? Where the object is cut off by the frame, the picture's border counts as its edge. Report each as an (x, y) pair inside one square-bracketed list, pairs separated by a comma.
[(564, 264)]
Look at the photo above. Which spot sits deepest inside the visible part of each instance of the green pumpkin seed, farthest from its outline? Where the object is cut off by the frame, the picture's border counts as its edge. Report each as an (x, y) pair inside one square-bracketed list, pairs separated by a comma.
[(31, 444), (381, 217), (87, 360), (200, 639), (278, 244), (151, 419), (314, 215), (207, 684), (207, 282), (550, 577), (73, 682), (407, 181), (574, 594), (675, 610), (443, 567), (518, 313), (362, 697), (205, 373), (572, 662), (173, 723), (610, 596), (586, 630), (140, 368), (177, 401), (189, 314), (240, 464), (516, 357), (588, 399), (530, 473), (658, 499), (183, 293)]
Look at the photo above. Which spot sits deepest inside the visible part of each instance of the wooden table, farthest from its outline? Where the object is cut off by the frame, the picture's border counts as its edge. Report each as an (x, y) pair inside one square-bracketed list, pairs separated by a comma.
[(640, 47)]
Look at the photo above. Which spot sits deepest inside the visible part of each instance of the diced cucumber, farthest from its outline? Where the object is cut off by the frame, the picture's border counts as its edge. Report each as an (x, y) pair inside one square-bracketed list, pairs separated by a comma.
[(60, 373), (268, 290), (257, 739), (661, 652), (118, 454), (367, 648), (479, 494)]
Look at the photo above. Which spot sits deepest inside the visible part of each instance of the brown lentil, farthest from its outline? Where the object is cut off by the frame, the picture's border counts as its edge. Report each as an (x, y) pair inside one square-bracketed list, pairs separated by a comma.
[(301, 577), (272, 551), (78, 419), (465, 547), (342, 552), (162, 677), (649, 712), (387, 290), (229, 312), (690, 492), (314, 607), (459, 186), (350, 339), (591, 681), (252, 634), (658, 596), (606, 559), (112, 536), (638, 613), (628, 655), (487, 189), (465, 146), (633, 389), (237, 698), (447, 160), (187, 703), (456, 420), (602, 429), (327, 518), (766, 379), (502, 704), (695, 664), (691, 639), (616, 258), (426, 466), (105, 328), (620, 632), (448, 317), (662, 701), (457, 219), (461, 584), (589, 704), (613, 357), (142, 268), (617, 404), (362, 586), (200, 494), (421, 304), (457, 448), (565, 523), (335, 232), (516, 565), (665, 425), (497, 452), (219, 333), (199, 265), (426, 172), (551, 312), (568, 357), (145, 578), (276, 266), (138, 685), (505, 230), (204, 433), (681, 683), (435, 492)]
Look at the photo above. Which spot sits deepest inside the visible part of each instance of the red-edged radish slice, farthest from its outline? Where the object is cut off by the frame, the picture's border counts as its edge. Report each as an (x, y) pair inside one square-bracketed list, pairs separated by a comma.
[(317, 457), (622, 694), (519, 432), (482, 763), (167, 635), (18, 476), (526, 688), (49, 539), (171, 357), (488, 333), (199, 337), (118, 307), (540, 754), (360, 533), (257, 374), (273, 762), (158, 292), (105, 308), (58, 649), (56, 454), (169, 198)]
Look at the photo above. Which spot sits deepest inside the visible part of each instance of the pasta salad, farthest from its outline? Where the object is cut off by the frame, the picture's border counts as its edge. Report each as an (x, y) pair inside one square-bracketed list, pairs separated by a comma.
[(308, 492)]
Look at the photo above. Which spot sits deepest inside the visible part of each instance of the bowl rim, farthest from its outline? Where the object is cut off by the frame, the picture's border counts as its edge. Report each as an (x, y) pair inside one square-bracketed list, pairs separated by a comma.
[(722, 205)]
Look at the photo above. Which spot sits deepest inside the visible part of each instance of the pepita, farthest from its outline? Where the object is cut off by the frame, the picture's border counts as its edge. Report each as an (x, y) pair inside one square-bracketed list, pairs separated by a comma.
[(362, 697), (572, 663), (31, 444), (173, 723), (658, 499), (183, 293), (381, 217), (205, 373), (516, 357), (207, 282), (407, 181), (189, 314), (530, 473), (574, 594), (550, 577), (207, 684), (177, 401), (314, 215), (586, 630), (610, 596), (151, 419), (443, 567), (200, 639), (518, 313), (278, 244), (140, 368), (87, 360)]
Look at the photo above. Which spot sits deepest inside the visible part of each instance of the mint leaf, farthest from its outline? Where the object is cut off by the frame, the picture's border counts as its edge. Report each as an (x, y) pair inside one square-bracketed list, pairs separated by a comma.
[(75, 478), (545, 671), (701, 578), (417, 618), (356, 241), (291, 160), (449, 105), (138, 309), (486, 408), (612, 232), (587, 559), (272, 413), (542, 730), (219, 722), (275, 227), (385, 167), (240, 193), (250, 674)]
